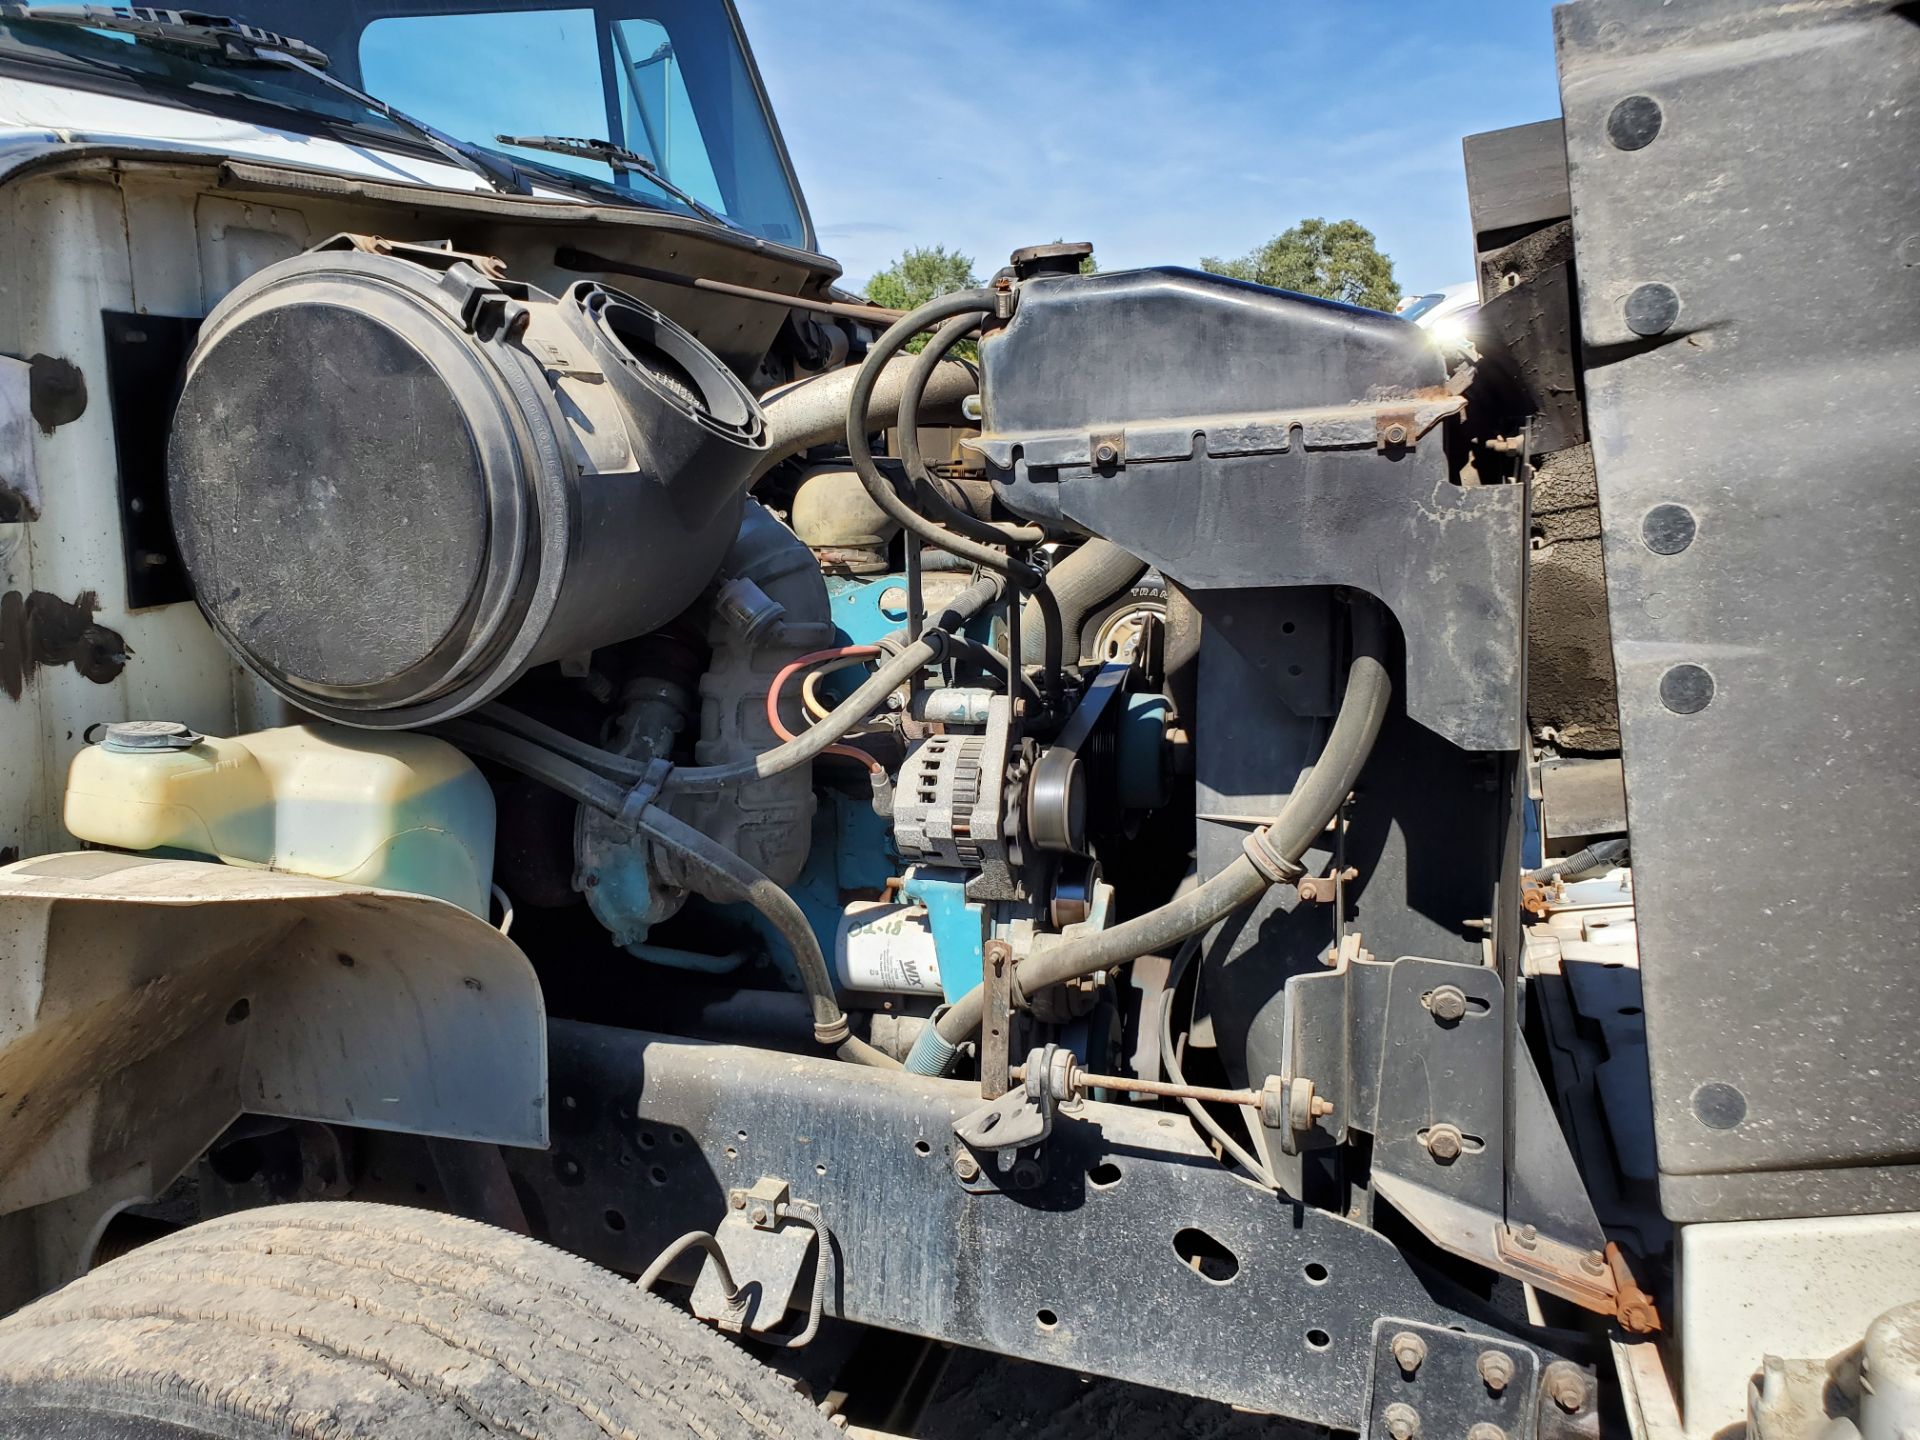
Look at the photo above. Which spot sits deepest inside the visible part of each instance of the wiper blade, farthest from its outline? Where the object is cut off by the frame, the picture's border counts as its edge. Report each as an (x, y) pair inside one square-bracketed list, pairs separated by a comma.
[(205, 36), (220, 39), (619, 158)]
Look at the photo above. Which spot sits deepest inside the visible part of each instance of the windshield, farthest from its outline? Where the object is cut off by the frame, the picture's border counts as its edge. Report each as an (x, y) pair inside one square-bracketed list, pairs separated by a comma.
[(667, 79), (1422, 305), (175, 77), (670, 84)]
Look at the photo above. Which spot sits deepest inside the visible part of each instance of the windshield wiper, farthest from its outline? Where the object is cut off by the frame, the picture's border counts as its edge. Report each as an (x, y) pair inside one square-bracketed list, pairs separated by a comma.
[(620, 159), (220, 39), (202, 36)]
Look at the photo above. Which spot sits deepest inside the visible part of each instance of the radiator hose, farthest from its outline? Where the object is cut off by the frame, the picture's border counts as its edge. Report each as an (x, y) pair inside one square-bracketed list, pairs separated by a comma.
[(968, 304), (1079, 585), (1272, 854)]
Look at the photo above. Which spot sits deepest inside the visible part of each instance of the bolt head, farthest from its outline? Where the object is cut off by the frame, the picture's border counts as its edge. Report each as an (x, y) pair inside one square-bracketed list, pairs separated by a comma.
[(1496, 1369), (739, 1199), (1448, 1004), (1444, 1143), (1486, 1431), (1105, 454), (760, 1216), (1566, 1385), (1402, 1421), (965, 1166), (1409, 1350), (1396, 435)]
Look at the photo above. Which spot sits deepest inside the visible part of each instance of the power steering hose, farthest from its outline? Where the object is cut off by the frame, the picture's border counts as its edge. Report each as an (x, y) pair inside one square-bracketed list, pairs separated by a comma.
[(961, 303), (715, 871), (1272, 854)]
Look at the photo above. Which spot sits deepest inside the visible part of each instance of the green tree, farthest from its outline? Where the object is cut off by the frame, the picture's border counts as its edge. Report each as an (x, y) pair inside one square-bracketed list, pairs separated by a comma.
[(1334, 259), (923, 273)]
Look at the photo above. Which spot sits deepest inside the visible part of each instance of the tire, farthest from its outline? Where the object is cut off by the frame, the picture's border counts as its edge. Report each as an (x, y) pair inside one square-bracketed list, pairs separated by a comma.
[(347, 1319)]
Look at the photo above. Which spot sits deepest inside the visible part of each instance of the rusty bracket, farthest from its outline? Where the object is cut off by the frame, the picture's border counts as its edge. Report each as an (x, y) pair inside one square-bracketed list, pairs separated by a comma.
[(1602, 1283), (1324, 889), (996, 1016), (438, 257)]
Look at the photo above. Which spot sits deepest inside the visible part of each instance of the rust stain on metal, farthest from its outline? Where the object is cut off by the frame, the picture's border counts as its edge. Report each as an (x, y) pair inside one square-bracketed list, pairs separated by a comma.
[(57, 392), (42, 629)]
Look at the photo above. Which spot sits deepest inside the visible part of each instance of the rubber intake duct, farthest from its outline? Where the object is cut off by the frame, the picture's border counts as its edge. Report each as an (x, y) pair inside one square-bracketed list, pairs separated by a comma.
[(399, 480)]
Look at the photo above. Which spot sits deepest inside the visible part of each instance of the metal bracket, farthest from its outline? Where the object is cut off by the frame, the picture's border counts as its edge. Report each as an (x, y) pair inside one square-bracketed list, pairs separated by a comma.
[(1436, 1383), (766, 1250), (1021, 1117), (996, 1016)]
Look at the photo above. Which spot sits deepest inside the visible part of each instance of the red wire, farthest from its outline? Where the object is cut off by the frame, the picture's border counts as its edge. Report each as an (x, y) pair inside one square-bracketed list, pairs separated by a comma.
[(845, 652)]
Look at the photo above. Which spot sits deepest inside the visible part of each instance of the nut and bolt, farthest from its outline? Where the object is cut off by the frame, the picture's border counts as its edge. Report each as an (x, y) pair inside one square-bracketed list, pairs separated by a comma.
[(1566, 1386), (1496, 1369), (1594, 1263), (1444, 1143), (1485, 1431), (1527, 1237), (1448, 1004), (1402, 1420), (1395, 435), (1409, 1350), (1292, 1103), (966, 1167), (760, 1215), (739, 1199), (1105, 454)]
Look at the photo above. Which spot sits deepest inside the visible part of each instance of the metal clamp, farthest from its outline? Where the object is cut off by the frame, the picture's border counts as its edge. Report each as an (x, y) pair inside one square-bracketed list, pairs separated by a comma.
[(645, 791)]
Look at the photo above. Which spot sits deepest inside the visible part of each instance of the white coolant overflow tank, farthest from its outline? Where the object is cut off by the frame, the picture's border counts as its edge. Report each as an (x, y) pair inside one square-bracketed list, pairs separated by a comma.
[(385, 809)]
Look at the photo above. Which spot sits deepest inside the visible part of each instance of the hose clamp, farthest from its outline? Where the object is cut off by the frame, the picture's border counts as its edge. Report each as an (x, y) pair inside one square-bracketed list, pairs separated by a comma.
[(645, 791), (834, 1033), (1274, 868)]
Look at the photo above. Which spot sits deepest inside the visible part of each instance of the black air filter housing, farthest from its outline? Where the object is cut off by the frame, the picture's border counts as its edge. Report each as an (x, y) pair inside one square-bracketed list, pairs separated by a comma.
[(397, 484)]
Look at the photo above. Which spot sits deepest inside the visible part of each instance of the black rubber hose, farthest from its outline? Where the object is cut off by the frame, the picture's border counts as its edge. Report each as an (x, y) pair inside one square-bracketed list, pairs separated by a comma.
[(1291, 834), (1079, 584), (604, 762), (944, 511), (715, 871), (964, 302), (850, 712), (1599, 854)]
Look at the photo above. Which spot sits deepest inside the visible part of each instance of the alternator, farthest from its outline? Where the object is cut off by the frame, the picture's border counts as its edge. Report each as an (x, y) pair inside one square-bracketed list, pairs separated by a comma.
[(948, 809)]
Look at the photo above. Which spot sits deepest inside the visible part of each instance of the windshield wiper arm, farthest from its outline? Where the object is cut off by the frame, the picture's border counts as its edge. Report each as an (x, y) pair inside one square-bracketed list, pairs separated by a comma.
[(617, 157), (201, 35), (220, 39)]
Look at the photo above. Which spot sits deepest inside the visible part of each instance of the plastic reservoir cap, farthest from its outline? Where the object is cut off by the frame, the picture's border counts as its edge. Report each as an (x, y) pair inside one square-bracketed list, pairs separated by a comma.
[(139, 736)]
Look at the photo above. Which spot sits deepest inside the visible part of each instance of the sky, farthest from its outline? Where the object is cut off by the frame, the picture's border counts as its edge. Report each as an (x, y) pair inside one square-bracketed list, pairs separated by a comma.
[(1162, 132)]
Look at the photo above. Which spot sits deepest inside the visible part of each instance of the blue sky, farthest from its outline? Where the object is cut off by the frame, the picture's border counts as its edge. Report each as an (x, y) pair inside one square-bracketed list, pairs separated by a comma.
[(1161, 132)]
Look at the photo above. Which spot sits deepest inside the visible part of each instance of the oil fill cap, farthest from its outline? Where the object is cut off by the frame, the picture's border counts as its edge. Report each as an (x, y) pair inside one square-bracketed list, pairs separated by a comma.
[(139, 736)]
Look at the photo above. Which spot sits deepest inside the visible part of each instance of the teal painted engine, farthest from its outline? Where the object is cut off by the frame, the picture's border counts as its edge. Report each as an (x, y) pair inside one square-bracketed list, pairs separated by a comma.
[(969, 808)]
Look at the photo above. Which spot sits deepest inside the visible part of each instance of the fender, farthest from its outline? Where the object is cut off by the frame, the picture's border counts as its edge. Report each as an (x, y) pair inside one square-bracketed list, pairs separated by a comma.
[(144, 1004)]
